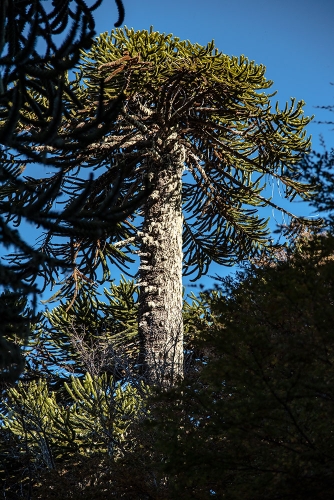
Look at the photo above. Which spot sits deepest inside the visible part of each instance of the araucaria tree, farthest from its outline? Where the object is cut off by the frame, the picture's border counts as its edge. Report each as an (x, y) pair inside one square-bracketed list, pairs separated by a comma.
[(199, 126), (39, 44)]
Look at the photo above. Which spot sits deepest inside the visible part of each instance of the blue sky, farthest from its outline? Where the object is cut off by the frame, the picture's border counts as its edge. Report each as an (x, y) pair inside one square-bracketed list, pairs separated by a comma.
[(294, 39)]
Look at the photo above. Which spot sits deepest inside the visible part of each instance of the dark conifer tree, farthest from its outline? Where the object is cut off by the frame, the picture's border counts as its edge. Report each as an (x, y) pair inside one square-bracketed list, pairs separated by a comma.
[(35, 58)]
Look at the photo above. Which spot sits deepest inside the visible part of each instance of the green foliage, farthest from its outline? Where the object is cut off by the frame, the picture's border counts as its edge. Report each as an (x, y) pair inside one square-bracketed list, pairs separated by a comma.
[(186, 96), (95, 421), (102, 335), (256, 421), (93, 334)]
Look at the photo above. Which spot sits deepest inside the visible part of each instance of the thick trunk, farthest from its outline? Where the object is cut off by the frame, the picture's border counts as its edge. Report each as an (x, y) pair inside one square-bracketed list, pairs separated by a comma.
[(160, 279)]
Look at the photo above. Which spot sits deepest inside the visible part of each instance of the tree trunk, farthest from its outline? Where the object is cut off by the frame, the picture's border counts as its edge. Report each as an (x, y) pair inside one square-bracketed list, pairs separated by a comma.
[(160, 277)]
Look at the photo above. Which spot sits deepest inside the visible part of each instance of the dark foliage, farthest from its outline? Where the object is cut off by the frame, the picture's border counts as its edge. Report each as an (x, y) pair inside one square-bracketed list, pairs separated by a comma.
[(38, 46), (256, 420), (317, 168), (28, 70)]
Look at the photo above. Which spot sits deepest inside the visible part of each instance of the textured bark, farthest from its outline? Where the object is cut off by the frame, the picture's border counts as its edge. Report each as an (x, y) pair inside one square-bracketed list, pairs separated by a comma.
[(160, 277)]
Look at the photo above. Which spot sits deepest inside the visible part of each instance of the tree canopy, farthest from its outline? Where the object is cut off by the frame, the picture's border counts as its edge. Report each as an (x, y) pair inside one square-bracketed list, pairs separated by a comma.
[(216, 109)]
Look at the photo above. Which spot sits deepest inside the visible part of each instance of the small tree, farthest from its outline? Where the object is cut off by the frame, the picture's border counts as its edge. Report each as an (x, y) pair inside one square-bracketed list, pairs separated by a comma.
[(94, 421)]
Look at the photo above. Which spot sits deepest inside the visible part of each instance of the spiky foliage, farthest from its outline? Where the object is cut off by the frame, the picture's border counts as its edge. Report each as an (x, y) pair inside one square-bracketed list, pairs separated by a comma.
[(69, 399), (33, 85), (101, 335), (39, 44), (95, 420), (93, 334), (212, 107), (27, 71)]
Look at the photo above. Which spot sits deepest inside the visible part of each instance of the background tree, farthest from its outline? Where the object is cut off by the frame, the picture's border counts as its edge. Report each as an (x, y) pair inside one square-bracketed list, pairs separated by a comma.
[(255, 422), (317, 168), (187, 109)]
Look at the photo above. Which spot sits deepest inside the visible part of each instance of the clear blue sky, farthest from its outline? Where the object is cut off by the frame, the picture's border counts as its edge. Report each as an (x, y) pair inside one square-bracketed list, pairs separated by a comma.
[(294, 39)]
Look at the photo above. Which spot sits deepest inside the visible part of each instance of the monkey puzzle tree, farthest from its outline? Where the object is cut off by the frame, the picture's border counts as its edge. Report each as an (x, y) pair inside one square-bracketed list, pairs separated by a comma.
[(39, 43), (25, 68), (34, 59), (198, 125), (33, 82)]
